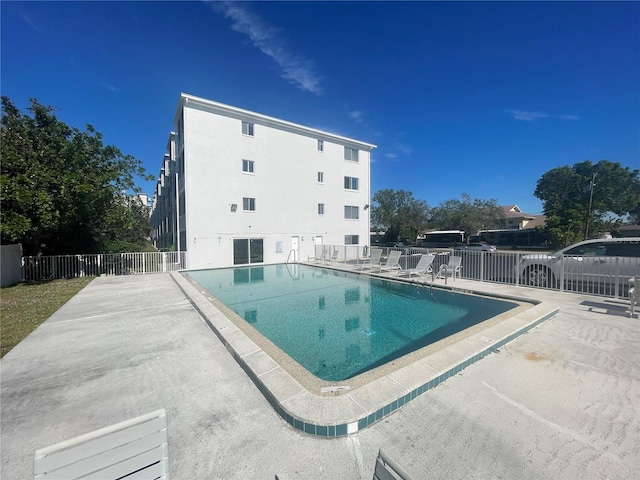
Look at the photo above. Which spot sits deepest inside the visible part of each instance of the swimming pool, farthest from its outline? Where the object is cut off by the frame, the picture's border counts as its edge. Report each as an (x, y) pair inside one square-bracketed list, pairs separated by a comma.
[(337, 324), (334, 409)]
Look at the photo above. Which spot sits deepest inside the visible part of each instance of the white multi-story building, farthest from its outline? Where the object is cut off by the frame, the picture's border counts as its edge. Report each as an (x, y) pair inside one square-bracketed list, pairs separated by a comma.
[(238, 188)]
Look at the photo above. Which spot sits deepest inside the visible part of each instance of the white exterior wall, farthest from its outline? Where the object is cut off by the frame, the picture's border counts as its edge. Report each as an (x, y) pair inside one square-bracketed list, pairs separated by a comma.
[(284, 185)]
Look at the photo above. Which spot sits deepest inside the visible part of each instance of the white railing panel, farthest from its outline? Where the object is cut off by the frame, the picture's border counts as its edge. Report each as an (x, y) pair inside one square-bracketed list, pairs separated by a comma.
[(37, 268), (606, 276)]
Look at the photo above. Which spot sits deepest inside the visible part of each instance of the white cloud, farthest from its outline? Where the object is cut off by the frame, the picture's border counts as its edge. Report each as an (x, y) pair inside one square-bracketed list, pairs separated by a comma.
[(398, 152), (406, 149), (531, 116), (297, 70), (356, 115), (526, 116), (29, 21)]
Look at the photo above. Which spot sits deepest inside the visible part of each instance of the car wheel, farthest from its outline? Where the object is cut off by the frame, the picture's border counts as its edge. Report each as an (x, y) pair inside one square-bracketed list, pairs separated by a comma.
[(539, 276)]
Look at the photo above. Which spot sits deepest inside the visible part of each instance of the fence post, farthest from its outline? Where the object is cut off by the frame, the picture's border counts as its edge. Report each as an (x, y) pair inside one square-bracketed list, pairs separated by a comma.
[(562, 273), (616, 287), (164, 262), (482, 254)]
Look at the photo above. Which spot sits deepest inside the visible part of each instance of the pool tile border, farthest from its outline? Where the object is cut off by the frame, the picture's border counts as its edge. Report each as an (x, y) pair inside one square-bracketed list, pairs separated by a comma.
[(297, 406)]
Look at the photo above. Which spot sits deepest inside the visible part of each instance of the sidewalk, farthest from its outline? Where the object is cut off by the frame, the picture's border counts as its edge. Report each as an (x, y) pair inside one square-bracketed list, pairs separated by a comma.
[(561, 401)]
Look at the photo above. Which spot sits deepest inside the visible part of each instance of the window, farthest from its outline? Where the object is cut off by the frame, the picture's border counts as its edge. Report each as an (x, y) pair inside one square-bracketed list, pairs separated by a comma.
[(321, 209), (247, 251), (624, 249), (591, 250), (248, 204), (350, 183), (247, 166), (321, 145), (351, 324), (351, 295), (351, 240), (251, 316), (350, 154), (351, 212), (247, 128), (320, 177)]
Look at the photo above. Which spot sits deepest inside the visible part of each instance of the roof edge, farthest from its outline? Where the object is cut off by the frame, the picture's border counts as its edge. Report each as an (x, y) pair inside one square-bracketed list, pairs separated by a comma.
[(186, 99)]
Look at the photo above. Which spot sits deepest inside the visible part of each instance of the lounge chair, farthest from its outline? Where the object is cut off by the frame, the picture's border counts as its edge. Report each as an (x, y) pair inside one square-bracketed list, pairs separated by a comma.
[(387, 469), (453, 268), (371, 262), (392, 262), (323, 257), (334, 256), (135, 448), (634, 294), (422, 268)]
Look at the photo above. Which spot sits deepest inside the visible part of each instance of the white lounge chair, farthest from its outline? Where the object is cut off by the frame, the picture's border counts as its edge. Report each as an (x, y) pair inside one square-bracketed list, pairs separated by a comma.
[(135, 448), (634, 294), (453, 268), (387, 469), (323, 256), (371, 262), (334, 256), (392, 262), (422, 268)]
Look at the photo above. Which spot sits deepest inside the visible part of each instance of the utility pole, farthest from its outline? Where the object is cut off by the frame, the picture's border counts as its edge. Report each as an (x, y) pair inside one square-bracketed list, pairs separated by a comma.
[(592, 184)]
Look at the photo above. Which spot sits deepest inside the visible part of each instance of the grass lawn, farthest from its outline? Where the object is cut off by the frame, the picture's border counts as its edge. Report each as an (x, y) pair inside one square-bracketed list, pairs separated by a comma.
[(25, 306)]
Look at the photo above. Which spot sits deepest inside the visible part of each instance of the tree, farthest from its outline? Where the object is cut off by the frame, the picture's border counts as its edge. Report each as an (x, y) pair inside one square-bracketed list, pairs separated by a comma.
[(467, 214), (399, 213), (587, 198), (634, 215), (62, 190)]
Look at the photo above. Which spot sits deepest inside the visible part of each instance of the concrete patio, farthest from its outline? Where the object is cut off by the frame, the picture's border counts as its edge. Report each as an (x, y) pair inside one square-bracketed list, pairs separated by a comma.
[(562, 401)]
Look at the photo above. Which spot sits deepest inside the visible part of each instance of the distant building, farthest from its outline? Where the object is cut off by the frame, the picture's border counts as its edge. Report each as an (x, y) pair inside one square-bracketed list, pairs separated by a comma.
[(628, 230), (144, 199), (514, 218), (240, 188), (517, 229)]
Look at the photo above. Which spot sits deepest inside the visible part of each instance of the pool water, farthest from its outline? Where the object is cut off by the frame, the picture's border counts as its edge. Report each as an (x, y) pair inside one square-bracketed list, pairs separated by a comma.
[(339, 324)]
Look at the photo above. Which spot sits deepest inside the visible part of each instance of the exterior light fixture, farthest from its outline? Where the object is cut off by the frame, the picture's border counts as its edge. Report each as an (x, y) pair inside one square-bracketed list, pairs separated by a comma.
[(234, 207)]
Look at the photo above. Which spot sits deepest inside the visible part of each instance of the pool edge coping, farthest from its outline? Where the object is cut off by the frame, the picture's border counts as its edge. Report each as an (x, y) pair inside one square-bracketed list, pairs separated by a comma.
[(312, 414)]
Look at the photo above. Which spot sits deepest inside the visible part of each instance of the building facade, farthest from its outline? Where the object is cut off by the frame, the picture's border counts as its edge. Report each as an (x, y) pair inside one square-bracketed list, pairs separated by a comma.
[(240, 188)]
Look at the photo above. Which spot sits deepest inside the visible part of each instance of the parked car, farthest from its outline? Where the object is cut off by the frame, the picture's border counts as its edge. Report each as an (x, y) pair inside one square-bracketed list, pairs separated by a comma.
[(597, 261), (395, 245), (477, 247)]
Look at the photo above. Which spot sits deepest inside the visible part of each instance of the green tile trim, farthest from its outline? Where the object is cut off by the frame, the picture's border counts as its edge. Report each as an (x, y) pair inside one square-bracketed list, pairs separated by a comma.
[(340, 430), (368, 420)]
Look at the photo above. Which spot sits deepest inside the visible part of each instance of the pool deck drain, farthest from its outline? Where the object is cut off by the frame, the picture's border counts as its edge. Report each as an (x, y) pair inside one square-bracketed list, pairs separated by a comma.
[(336, 409)]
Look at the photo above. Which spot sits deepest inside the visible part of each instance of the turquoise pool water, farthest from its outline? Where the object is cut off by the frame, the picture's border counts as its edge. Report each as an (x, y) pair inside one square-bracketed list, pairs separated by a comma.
[(338, 324)]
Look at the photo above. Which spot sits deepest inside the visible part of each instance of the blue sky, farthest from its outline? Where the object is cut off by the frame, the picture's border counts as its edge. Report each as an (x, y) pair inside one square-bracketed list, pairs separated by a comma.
[(475, 97)]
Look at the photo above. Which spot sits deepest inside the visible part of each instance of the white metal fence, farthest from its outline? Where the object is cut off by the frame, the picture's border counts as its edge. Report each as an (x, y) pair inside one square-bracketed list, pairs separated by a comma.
[(595, 275), (69, 266), (608, 276)]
